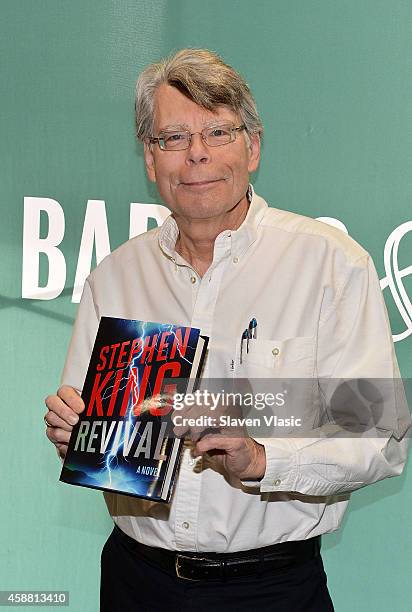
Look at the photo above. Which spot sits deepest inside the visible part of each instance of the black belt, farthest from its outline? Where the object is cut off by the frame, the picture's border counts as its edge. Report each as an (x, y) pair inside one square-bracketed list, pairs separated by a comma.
[(220, 566)]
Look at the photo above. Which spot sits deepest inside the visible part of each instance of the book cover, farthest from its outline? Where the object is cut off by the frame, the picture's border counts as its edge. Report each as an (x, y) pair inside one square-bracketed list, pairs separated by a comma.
[(123, 441)]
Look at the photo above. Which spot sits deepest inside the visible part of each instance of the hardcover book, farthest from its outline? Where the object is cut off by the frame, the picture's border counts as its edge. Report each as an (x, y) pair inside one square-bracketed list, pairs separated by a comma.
[(123, 441)]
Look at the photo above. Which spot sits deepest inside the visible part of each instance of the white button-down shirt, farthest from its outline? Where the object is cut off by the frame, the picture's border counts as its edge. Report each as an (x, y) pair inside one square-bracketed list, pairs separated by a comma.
[(320, 312)]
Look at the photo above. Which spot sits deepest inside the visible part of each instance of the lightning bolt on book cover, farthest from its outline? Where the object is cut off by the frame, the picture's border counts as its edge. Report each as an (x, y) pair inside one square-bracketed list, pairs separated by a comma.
[(123, 441)]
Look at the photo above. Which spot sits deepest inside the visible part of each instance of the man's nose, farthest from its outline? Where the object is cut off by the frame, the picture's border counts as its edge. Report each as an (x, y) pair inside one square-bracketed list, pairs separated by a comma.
[(198, 151)]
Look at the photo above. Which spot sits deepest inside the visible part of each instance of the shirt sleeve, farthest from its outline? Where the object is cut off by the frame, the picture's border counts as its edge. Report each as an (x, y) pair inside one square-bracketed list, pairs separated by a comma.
[(354, 344), (82, 341)]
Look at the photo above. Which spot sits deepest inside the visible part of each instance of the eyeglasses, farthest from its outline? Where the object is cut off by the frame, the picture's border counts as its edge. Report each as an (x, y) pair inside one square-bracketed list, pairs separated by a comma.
[(214, 136)]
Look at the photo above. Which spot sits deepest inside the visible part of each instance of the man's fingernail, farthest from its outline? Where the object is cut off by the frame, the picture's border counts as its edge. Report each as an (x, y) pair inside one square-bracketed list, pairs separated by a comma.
[(73, 419)]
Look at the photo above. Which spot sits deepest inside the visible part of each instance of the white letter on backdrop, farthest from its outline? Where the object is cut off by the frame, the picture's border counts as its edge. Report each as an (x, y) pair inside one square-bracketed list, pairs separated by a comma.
[(140, 215), (95, 232), (33, 245)]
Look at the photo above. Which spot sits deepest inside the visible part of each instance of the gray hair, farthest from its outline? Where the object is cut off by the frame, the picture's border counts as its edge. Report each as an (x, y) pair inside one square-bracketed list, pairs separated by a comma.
[(203, 77)]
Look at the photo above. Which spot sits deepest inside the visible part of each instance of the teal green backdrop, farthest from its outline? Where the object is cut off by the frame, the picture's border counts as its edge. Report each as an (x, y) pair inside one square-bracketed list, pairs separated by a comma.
[(333, 83)]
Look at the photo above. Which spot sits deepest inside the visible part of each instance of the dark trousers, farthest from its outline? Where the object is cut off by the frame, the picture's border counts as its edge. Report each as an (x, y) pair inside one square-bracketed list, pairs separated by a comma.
[(131, 584)]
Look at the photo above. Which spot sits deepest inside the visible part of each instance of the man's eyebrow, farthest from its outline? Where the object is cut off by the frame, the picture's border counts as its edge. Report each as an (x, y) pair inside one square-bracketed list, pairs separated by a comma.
[(217, 122), (174, 126), (184, 126)]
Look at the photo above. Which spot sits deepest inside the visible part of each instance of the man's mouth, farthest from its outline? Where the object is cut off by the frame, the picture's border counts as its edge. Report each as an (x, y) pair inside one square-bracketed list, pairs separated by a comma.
[(200, 183)]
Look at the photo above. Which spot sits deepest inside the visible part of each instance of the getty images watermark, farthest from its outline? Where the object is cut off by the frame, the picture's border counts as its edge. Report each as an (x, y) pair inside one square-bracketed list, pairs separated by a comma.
[(228, 401), (293, 407)]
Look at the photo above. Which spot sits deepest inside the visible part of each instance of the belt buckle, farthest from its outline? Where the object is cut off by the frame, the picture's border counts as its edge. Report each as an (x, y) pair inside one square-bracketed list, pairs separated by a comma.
[(178, 567)]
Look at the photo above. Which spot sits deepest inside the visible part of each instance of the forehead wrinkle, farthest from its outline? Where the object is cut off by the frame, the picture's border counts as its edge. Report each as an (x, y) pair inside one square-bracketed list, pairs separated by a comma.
[(205, 121), (207, 118), (185, 126)]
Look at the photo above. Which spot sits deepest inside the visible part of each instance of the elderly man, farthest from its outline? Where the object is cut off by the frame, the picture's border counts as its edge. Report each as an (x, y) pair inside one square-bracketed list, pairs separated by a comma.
[(244, 524)]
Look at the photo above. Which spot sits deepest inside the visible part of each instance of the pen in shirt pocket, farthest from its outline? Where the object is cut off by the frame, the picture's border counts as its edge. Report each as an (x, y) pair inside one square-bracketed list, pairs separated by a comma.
[(248, 334)]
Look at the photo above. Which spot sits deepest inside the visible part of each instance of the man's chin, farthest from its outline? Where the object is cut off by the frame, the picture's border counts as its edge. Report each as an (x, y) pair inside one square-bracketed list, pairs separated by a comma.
[(198, 207), (199, 213)]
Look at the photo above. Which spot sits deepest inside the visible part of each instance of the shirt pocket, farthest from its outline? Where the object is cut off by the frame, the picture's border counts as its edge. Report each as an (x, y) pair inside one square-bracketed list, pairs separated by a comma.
[(284, 369), (277, 358)]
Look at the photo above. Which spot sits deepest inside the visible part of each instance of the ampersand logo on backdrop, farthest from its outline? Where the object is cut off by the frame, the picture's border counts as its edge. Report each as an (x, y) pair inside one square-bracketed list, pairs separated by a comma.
[(394, 276)]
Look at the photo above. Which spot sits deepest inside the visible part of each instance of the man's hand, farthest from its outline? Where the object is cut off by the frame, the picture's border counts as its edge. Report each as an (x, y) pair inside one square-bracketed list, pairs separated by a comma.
[(63, 411), (243, 457), (229, 445)]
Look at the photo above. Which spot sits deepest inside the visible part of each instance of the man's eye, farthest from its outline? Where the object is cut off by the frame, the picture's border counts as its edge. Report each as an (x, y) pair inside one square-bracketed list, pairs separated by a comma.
[(176, 137), (219, 131)]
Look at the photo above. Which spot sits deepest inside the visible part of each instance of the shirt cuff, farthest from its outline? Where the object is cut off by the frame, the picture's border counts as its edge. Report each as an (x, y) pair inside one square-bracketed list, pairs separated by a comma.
[(281, 466)]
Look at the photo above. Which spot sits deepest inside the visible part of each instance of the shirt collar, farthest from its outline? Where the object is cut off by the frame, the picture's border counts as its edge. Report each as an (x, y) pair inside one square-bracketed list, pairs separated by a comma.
[(242, 238)]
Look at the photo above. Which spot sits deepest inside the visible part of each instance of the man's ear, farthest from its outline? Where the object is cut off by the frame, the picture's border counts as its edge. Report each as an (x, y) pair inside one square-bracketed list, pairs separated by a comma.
[(149, 162), (254, 152)]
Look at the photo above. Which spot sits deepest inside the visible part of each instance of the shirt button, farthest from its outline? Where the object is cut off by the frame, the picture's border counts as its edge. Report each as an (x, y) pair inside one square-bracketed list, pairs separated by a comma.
[(186, 525), (277, 482), (275, 351), (193, 279), (235, 260)]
